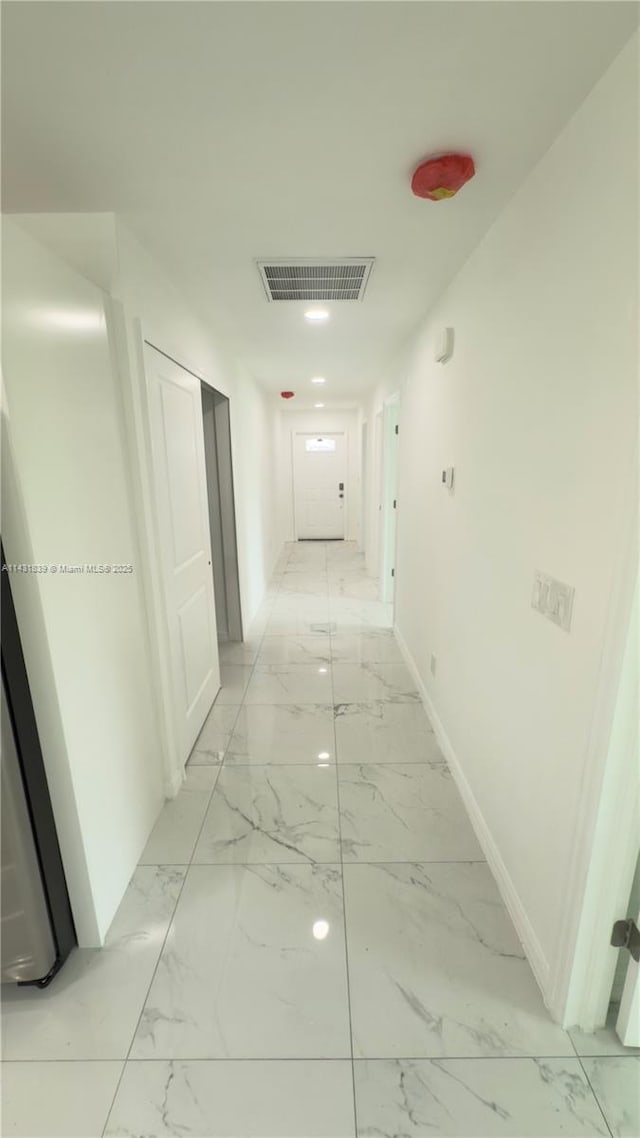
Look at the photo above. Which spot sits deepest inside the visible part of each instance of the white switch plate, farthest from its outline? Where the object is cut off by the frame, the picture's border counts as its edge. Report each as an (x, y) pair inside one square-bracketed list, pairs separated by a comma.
[(554, 599)]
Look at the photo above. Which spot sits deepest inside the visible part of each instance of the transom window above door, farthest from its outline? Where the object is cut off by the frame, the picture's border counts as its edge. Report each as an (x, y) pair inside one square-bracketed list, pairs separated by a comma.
[(315, 446)]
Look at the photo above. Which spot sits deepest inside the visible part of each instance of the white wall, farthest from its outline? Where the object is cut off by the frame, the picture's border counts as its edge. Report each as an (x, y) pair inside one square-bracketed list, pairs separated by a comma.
[(167, 320), (290, 422), (67, 500), (105, 250), (70, 455), (254, 440), (537, 411)]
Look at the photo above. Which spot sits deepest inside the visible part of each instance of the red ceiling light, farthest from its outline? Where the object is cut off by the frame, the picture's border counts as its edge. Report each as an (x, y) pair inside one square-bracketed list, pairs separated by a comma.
[(442, 177), (287, 394)]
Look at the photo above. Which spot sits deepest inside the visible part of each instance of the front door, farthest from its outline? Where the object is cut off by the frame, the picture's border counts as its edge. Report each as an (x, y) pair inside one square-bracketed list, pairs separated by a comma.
[(177, 442), (319, 475)]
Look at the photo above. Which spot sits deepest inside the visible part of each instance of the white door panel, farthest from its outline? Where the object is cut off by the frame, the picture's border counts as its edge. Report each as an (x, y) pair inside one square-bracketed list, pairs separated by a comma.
[(319, 467), (177, 444)]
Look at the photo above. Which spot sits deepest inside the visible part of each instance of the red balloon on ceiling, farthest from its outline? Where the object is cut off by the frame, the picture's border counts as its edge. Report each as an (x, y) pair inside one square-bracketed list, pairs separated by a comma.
[(442, 177)]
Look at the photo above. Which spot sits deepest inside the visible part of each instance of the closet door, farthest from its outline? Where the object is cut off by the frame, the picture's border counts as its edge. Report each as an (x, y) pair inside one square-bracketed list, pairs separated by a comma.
[(177, 443)]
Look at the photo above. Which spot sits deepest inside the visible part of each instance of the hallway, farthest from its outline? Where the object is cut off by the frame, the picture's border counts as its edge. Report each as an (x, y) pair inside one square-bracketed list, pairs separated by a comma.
[(312, 936)]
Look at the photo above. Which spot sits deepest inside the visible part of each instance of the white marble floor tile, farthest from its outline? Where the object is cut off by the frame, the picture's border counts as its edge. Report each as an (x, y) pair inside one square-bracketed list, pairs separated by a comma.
[(354, 588), (475, 1098), (234, 679), (296, 622), (605, 1041), (371, 646), (283, 733), (290, 683), (238, 651), (436, 969), (244, 974), (174, 835), (304, 585), (250, 1099), (91, 1009), (385, 732), (314, 566), (295, 650), (212, 741), (409, 812), (261, 814), (285, 604), (353, 616), (57, 1100), (214, 753), (616, 1084), (359, 683)]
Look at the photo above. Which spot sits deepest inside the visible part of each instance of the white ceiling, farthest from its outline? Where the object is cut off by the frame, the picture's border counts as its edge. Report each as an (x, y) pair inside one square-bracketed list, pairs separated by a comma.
[(226, 132)]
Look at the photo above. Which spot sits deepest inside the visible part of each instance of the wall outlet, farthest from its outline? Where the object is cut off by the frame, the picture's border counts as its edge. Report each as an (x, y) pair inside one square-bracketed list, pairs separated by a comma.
[(447, 477), (433, 663), (554, 599)]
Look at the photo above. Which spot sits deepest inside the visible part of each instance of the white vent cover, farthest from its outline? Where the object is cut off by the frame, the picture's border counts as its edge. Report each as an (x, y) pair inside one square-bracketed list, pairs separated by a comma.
[(340, 279)]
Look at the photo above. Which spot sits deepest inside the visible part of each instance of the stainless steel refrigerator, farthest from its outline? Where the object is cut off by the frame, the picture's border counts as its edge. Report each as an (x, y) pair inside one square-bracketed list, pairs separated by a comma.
[(37, 931)]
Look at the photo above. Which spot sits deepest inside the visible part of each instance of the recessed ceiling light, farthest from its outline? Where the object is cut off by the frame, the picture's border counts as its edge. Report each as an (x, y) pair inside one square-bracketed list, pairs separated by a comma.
[(318, 406), (318, 379), (316, 315)]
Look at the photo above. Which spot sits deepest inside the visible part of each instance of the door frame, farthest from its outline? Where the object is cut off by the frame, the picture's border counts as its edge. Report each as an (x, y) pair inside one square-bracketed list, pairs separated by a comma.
[(605, 845), (583, 980), (130, 340), (389, 494), (315, 435), (364, 485), (220, 481), (374, 537)]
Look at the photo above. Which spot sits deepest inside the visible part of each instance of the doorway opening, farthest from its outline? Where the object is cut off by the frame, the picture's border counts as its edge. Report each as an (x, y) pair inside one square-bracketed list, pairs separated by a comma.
[(319, 486), (364, 482), (222, 517), (389, 498)]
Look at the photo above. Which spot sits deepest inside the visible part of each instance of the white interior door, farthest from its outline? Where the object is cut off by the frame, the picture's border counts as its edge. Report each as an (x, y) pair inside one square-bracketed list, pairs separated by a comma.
[(628, 1022), (319, 478), (177, 444)]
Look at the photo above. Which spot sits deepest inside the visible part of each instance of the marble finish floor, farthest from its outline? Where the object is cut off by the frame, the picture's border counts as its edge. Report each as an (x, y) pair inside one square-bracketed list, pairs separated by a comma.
[(312, 945)]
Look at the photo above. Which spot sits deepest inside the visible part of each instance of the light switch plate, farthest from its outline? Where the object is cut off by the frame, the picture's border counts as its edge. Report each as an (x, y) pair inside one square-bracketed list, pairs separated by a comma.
[(552, 598)]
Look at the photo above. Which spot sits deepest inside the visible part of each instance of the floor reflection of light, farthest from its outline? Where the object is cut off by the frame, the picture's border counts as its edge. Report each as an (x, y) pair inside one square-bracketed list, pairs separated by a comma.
[(323, 671), (324, 755), (321, 929)]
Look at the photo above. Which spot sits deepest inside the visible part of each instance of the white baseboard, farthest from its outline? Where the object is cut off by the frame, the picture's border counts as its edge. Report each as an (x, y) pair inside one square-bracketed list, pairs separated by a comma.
[(508, 892)]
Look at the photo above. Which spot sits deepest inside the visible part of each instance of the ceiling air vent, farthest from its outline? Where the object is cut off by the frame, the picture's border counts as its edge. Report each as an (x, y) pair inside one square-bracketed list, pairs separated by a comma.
[(341, 279)]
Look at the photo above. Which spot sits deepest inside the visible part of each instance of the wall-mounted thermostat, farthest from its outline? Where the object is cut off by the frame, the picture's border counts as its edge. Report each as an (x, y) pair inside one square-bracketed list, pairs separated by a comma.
[(444, 346), (447, 477)]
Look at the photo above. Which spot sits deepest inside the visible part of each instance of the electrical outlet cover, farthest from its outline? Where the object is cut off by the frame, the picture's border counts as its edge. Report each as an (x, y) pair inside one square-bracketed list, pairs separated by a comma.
[(554, 599)]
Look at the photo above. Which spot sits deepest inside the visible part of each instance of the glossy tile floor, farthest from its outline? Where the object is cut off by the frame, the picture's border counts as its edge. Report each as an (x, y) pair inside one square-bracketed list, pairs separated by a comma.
[(312, 945)]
